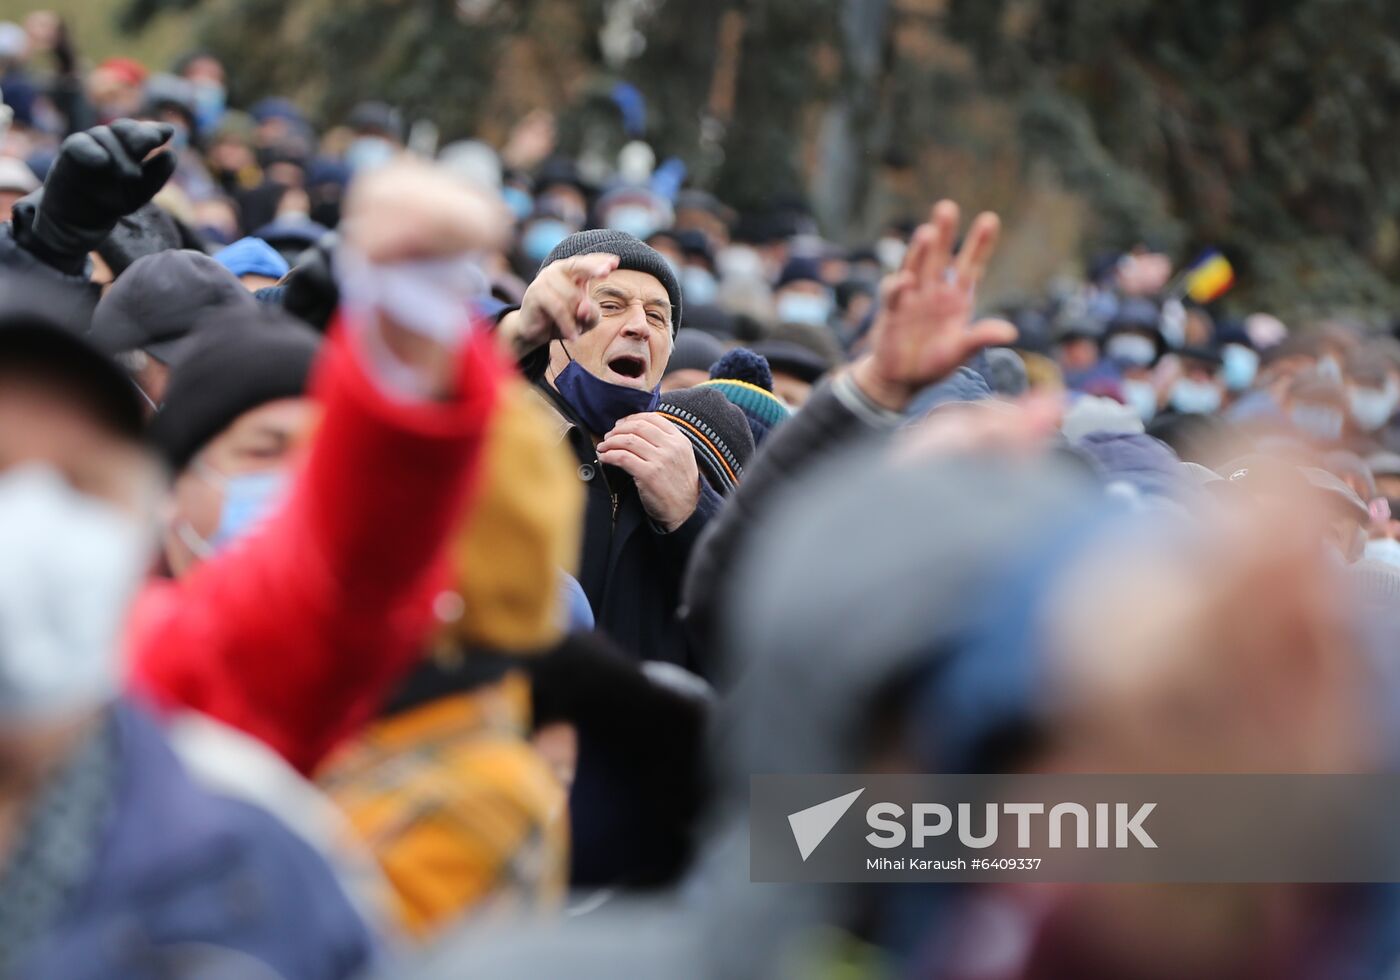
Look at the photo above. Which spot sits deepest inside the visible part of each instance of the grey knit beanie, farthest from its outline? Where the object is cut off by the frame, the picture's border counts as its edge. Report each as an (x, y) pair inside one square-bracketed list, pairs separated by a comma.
[(635, 254)]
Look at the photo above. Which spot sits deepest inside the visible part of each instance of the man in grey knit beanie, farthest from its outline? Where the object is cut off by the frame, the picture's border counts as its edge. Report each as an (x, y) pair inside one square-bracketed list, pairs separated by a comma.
[(594, 333)]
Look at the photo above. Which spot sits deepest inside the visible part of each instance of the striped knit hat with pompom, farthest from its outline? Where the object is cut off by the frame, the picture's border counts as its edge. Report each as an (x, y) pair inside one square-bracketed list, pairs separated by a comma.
[(745, 379)]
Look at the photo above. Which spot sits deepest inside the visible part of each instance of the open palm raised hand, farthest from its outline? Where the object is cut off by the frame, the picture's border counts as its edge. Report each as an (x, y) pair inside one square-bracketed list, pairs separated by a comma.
[(923, 330)]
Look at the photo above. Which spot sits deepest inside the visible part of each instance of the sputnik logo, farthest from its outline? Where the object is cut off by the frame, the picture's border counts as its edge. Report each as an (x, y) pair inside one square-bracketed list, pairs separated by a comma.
[(811, 826)]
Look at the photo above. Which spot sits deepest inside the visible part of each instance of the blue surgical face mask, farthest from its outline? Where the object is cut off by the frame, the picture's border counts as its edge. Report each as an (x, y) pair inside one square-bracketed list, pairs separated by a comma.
[(1240, 366), (210, 100), (1141, 397), (541, 237), (1192, 397), (600, 404), (1131, 348), (1372, 408), (1320, 422), (698, 286), (521, 204), (368, 152), (636, 220), (180, 139), (249, 500), (1384, 549), (804, 308)]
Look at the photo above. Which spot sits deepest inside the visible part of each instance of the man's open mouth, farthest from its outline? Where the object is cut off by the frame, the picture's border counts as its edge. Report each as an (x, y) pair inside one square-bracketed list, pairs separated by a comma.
[(628, 366)]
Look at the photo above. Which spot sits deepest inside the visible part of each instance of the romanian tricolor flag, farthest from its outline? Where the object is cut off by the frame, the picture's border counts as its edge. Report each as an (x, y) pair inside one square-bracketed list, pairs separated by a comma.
[(1210, 278)]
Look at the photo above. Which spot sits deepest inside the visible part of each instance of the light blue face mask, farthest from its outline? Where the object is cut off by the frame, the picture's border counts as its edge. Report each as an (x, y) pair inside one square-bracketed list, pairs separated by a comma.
[(1240, 366), (633, 219), (368, 152), (249, 500), (1373, 407), (1192, 397), (804, 308), (1131, 348), (210, 100), (1141, 397), (1384, 549), (698, 286), (1322, 423), (541, 237), (521, 204)]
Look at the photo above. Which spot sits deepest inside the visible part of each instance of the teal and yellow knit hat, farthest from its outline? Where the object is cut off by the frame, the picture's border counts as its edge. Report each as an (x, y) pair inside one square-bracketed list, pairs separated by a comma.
[(744, 378)]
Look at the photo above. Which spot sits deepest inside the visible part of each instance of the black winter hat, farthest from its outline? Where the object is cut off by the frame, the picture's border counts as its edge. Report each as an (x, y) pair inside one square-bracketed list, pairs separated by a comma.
[(238, 360), (635, 254), (694, 350), (41, 323), (145, 231), (156, 303), (798, 360), (718, 431)]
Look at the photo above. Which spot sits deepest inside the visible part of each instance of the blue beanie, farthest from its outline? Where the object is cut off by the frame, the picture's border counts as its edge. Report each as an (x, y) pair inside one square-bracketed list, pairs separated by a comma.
[(252, 257)]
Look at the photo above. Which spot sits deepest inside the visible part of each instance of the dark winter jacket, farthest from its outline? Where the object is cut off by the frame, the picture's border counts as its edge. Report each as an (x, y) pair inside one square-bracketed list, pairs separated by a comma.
[(631, 570), (836, 415), (188, 884)]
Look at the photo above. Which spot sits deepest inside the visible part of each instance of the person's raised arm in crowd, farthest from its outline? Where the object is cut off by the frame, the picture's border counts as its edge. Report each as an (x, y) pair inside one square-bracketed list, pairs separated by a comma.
[(101, 175), (922, 333), (296, 631)]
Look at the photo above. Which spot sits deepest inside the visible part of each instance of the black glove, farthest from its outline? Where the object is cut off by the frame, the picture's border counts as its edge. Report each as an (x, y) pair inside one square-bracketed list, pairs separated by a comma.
[(101, 175), (309, 290)]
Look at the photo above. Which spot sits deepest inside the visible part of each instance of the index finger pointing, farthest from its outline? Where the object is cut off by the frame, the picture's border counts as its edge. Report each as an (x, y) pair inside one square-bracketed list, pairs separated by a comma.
[(593, 265)]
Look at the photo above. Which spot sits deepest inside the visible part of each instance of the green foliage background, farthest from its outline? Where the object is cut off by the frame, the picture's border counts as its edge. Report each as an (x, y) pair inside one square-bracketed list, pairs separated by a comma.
[(1267, 127)]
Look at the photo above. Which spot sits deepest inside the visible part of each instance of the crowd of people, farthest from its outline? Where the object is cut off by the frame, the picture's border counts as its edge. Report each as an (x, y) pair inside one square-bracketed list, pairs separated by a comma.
[(408, 554)]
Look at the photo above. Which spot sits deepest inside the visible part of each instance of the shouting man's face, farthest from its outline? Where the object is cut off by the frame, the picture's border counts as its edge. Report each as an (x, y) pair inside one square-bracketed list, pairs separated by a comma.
[(632, 340)]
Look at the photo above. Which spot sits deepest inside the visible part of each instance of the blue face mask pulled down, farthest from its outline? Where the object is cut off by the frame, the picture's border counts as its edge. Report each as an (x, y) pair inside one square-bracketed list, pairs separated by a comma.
[(600, 404), (249, 500)]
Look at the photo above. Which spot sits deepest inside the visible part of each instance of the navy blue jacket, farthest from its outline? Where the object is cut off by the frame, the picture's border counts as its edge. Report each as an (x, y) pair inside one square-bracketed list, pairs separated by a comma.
[(630, 570), (190, 884)]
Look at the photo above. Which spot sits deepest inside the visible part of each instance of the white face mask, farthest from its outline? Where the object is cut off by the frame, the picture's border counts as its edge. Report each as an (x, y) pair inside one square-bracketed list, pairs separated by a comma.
[(890, 252), (739, 262), (69, 566)]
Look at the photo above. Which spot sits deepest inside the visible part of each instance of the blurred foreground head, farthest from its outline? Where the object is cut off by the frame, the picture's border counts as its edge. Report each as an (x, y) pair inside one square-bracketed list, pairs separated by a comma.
[(77, 506), (994, 616)]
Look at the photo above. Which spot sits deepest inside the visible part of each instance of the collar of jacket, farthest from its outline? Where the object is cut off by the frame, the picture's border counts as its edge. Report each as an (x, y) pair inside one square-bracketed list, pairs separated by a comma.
[(559, 412)]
